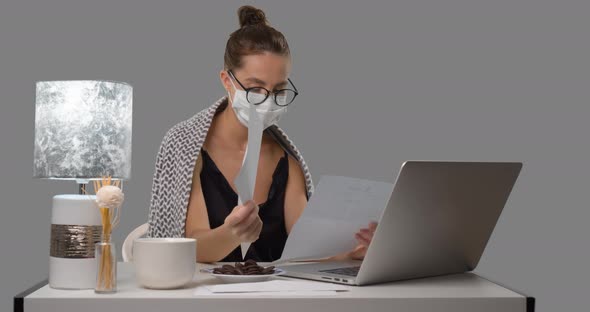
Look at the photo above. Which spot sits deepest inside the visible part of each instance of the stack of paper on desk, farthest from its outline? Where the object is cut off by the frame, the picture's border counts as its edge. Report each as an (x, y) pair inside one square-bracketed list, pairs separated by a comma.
[(338, 208), (292, 287)]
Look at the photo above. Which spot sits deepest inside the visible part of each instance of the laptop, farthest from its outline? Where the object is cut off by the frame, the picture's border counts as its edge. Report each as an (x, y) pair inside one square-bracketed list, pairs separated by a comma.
[(437, 221)]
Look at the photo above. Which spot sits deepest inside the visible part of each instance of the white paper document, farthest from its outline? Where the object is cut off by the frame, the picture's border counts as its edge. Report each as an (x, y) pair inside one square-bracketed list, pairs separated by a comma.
[(339, 207), (203, 291), (274, 286), (246, 179)]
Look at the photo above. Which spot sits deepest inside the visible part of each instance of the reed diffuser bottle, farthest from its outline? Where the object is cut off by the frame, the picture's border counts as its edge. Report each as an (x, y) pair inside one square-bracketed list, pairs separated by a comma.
[(106, 273), (109, 199)]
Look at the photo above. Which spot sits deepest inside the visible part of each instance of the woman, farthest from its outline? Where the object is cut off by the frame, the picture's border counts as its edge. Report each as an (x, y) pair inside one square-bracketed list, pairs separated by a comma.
[(193, 194)]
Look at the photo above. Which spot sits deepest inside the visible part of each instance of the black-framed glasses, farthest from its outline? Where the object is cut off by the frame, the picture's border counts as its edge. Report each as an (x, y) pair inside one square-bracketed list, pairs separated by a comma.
[(257, 95)]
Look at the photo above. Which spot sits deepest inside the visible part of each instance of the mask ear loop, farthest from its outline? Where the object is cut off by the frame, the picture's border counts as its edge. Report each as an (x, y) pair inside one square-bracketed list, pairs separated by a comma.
[(229, 98)]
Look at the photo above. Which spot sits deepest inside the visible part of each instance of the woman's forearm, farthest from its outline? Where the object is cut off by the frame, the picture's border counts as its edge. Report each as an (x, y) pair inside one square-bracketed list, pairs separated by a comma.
[(214, 245)]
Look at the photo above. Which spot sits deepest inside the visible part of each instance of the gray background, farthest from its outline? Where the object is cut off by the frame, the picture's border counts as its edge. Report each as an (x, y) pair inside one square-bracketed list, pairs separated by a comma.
[(381, 82)]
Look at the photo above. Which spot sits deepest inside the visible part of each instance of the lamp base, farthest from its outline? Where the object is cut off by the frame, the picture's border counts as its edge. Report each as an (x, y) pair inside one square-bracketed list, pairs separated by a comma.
[(72, 273), (75, 229)]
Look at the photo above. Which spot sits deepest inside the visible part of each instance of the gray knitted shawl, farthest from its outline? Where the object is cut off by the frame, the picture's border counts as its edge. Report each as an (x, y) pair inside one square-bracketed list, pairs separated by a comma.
[(175, 163)]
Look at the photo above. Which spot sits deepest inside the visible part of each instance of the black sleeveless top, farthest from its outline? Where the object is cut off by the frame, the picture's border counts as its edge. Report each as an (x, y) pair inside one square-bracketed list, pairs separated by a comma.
[(220, 199)]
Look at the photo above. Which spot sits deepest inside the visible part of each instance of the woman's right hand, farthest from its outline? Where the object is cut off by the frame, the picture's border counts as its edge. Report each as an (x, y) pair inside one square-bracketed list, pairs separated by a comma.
[(244, 222)]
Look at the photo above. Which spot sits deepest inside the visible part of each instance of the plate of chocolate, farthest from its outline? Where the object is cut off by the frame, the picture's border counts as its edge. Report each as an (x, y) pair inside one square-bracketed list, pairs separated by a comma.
[(246, 272)]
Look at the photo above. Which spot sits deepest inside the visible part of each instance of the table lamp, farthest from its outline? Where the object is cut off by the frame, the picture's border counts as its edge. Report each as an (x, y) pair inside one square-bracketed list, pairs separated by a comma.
[(82, 132)]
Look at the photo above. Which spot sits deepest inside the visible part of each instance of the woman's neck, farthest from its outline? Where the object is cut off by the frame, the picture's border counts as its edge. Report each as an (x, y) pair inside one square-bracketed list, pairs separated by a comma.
[(229, 129), (227, 133)]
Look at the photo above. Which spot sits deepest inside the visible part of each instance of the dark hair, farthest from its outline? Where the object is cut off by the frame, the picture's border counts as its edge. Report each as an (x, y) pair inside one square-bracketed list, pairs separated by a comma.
[(255, 36)]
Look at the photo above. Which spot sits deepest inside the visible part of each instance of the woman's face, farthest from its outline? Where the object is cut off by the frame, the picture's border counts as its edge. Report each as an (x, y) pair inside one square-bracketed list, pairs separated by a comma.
[(268, 70)]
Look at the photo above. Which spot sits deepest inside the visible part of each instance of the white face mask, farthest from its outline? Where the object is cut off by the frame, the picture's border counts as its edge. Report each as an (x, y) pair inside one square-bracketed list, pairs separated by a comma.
[(268, 111)]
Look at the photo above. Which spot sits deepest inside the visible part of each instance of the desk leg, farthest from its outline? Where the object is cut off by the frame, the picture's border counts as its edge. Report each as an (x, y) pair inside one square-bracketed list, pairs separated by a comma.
[(19, 300), (530, 301)]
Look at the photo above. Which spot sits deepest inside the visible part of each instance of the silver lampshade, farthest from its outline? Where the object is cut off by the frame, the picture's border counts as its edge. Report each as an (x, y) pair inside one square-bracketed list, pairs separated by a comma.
[(82, 130)]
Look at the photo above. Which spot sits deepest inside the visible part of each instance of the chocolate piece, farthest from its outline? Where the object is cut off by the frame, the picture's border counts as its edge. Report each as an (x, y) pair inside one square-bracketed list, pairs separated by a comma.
[(249, 267)]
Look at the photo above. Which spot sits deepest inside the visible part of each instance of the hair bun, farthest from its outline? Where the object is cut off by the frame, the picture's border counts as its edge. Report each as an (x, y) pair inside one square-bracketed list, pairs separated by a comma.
[(250, 15)]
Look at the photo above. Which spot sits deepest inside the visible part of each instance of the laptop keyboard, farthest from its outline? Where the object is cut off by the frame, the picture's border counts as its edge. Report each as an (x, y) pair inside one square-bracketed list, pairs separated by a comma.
[(349, 271)]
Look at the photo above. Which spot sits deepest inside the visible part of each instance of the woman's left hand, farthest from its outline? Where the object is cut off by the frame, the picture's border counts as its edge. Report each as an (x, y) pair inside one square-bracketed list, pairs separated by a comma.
[(364, 237)]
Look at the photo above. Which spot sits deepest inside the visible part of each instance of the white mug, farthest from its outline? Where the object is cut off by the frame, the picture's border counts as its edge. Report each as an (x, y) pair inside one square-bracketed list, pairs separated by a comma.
[(164, 263)]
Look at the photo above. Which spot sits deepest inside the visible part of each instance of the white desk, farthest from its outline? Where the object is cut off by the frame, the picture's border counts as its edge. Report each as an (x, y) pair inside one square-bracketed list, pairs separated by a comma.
[(458, 292)]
